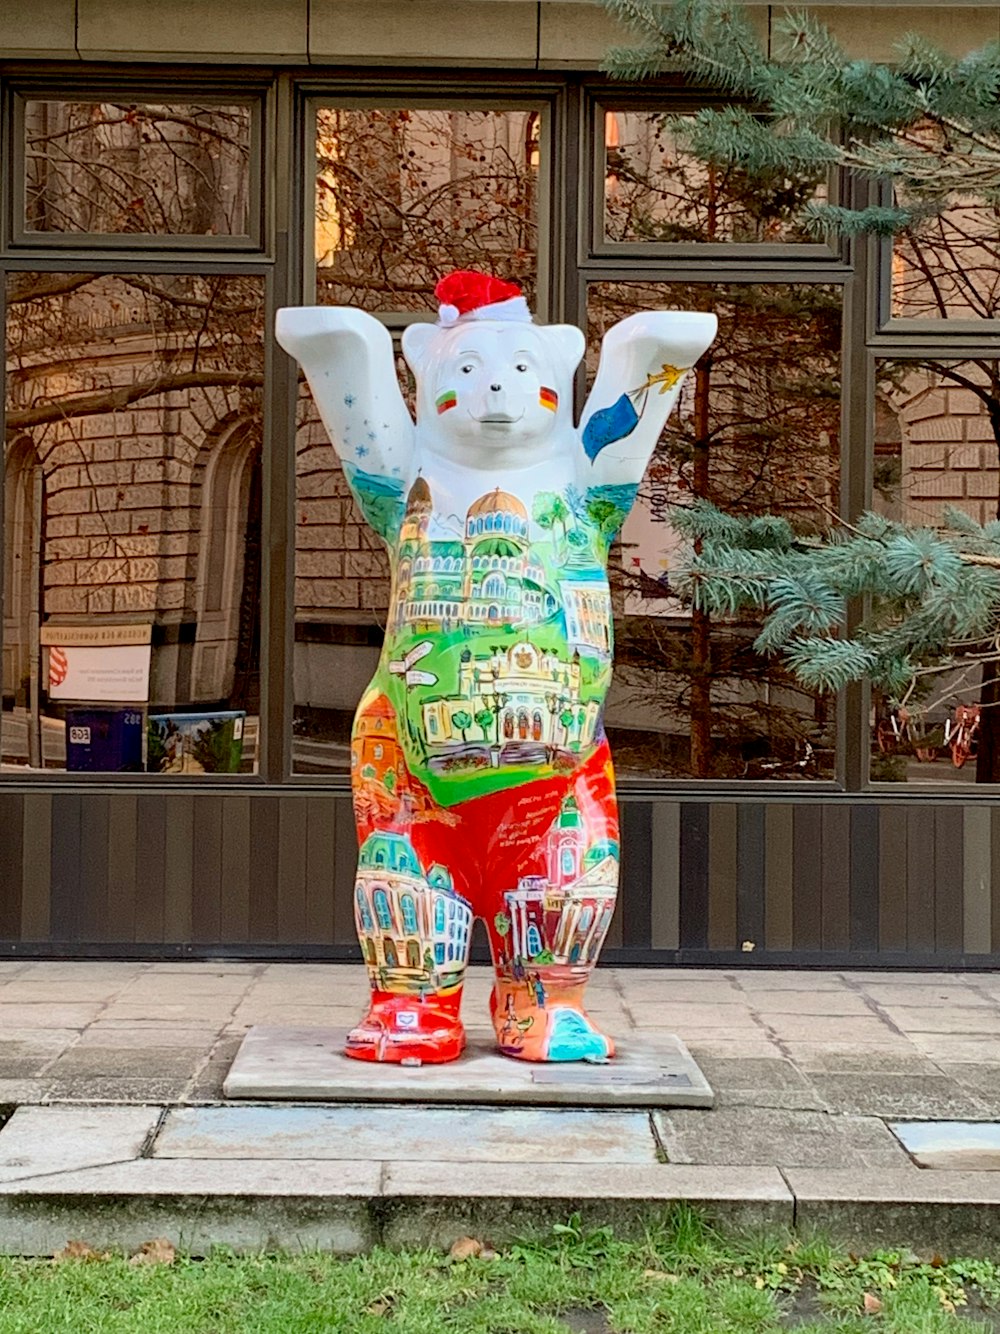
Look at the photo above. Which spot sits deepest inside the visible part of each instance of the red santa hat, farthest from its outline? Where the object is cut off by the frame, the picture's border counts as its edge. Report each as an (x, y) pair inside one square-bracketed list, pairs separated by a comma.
[(467, 295)]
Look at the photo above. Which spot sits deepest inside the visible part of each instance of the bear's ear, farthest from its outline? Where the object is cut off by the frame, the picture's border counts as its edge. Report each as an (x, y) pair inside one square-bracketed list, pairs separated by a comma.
[(417, 341), (567, 342)]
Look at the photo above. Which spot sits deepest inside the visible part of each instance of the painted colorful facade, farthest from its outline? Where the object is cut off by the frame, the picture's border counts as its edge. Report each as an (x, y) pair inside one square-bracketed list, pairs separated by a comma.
[(483, 785)]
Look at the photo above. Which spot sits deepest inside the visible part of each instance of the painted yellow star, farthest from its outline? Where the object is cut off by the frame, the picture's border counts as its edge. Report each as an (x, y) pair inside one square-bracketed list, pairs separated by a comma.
[(666, 378)]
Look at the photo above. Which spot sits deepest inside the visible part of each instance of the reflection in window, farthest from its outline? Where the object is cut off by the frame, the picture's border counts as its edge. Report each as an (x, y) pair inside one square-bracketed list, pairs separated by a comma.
[(937, 448), (756, 430), (133, 508), (137, 168), (948, 268), (341, 593), (405, 195), (657, 191)]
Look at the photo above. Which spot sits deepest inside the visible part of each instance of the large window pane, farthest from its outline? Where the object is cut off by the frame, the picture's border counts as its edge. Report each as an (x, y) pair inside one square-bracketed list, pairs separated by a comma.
[(132, 537), (948, 268), (405, 194), (341, 596), (756, 431), (937, 448), (656, 191), (164, 169)]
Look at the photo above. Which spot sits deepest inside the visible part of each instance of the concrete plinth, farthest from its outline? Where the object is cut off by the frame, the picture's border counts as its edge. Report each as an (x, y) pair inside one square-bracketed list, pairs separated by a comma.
[(304, 1064)]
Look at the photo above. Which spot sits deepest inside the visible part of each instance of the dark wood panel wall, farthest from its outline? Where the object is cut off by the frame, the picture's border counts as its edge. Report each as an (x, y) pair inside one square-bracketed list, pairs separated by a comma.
[(832, 881)]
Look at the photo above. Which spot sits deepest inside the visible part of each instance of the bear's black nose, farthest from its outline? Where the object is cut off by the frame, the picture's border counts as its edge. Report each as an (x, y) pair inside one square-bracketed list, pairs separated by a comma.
[(496, 388)]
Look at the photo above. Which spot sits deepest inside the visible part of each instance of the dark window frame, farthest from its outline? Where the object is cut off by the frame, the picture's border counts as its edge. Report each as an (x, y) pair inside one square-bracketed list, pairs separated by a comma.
[(283, 258), (17, 237)]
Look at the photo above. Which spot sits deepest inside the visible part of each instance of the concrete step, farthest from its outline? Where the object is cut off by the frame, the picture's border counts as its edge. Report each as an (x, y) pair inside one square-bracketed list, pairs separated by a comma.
[(346, 1178)]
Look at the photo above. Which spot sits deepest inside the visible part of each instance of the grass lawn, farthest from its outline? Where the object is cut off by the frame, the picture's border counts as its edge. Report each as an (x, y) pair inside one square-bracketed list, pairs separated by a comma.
[(684, 1278)]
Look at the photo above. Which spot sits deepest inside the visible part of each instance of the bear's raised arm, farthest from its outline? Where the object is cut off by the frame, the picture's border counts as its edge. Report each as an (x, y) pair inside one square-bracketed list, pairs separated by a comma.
[(348, 360), (643, 361)]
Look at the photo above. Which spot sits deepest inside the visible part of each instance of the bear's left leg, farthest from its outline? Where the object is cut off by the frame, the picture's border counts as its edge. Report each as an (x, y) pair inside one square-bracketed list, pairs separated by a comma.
[(552, 920)]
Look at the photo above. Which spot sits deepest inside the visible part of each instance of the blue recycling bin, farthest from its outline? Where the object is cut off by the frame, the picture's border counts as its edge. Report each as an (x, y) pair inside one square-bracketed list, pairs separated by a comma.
[(104, 740)]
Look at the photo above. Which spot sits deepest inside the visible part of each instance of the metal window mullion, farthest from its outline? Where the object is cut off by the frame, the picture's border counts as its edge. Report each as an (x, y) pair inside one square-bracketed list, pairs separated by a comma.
[(857, 460), (285, 169)]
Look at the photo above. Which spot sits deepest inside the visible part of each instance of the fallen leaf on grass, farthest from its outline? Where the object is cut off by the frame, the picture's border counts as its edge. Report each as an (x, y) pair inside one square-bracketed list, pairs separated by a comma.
[(381, 1305), (872, 1304), (465, 1248), (78, 1250), (156, 1252), (661, 1276)]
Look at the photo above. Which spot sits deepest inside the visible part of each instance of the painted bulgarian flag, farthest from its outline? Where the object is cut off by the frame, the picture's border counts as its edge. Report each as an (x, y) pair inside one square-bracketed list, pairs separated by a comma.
[(449, 399)]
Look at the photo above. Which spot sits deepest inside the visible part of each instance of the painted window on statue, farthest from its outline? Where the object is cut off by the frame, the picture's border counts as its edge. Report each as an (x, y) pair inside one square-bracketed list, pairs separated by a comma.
[(382, 910)]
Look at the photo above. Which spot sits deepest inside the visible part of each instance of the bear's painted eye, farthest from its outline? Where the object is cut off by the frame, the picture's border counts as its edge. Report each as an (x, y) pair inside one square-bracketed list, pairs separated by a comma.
[(521, 366), (467, 369)]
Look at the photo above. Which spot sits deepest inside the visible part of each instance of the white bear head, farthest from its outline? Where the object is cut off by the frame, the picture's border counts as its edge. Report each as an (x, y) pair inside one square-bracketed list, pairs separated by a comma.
[(494, 392)]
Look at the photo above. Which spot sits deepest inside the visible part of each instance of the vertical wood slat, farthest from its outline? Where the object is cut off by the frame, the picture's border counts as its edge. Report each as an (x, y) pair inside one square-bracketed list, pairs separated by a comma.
[(694, 876), (807, 884), (291, 874), (995, 879), (135, 855), (92, 921), (264, 871), (178, 868), (750, 875), (149, 862), (345, 864), (835, 878), (11, 864), (976, 896), (864, 886), (65, 866), (234, 908), (319, 869), (778, 863), (636, 886), (892, 868), (36, 870), (665, 921), (919, 879), (206, 873), (722, 825), (949, 879)]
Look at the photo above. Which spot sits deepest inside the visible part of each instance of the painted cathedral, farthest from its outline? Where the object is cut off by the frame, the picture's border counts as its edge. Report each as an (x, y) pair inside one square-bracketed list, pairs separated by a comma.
[(492, 575), (563, 916)]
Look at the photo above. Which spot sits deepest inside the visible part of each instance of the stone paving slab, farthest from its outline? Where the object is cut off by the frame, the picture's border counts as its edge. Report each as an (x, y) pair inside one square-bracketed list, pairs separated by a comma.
[(753, 1136), (40, 1140), (304, 1063), (515, 1135), (951, 1145)]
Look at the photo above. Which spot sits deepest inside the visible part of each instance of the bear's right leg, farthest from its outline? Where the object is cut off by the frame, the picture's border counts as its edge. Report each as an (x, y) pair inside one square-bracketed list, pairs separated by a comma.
[(413, 927)]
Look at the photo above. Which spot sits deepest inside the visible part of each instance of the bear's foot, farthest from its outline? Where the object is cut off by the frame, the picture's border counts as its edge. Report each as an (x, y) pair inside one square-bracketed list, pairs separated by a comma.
[(408, 1031), (533, 1024)]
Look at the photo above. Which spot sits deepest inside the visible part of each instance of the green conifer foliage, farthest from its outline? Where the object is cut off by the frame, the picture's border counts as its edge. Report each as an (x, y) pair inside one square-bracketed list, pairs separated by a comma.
[(929, 123), (932, 595), (924, 133)]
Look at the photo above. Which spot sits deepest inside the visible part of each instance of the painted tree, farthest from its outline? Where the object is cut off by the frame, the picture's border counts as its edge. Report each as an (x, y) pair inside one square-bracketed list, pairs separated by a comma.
[(463, 721)]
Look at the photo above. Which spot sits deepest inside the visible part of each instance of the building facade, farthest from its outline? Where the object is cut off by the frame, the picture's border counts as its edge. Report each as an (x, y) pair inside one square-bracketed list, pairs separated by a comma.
[(180, 545)]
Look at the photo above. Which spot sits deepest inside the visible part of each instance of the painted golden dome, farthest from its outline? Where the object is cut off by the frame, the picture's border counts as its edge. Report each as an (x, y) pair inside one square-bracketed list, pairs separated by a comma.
[(498, 502), (419, 497)]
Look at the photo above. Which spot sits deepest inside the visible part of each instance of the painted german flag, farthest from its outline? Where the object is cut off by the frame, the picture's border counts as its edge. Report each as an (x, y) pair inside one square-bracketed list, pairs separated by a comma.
[(449, 399), (548, 398)]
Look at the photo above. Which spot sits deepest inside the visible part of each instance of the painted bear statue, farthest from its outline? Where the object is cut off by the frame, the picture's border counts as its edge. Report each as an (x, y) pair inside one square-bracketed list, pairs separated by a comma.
[(481, 776)]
